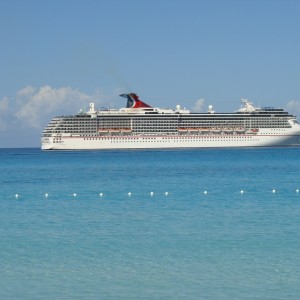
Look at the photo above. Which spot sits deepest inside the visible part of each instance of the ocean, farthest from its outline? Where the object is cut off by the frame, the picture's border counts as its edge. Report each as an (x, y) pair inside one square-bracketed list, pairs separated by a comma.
[(150, 224)]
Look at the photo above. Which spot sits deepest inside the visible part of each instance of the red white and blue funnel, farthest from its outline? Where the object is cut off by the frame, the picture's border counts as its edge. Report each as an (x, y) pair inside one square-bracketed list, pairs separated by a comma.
[(133, 101)]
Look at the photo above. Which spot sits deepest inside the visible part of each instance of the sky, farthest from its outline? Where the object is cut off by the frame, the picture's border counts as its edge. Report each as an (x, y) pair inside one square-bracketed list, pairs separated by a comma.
[(56, 56)]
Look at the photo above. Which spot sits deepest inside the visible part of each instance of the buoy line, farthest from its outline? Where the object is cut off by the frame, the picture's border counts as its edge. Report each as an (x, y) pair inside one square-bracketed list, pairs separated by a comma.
[(151, 194)]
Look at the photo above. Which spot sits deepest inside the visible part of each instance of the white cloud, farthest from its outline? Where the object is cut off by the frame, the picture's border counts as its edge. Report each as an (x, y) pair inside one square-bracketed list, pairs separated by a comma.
[(293, 107), (198, 106), (26, 92), (37, 104), (4, 106), (35, 107)]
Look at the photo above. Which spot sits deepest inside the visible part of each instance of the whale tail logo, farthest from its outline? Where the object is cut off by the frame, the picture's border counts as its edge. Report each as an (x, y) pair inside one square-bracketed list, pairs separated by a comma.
[(133, 101)]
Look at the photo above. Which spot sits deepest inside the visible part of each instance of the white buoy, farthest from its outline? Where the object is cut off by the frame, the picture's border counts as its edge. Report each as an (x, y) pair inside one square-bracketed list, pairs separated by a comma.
[(151, 194), (297, 190), (205, 192), (101, 194), (129, 194), (17, 196), (74, 194), (46, 195), (242, 192), (166, 193), (274, 191)]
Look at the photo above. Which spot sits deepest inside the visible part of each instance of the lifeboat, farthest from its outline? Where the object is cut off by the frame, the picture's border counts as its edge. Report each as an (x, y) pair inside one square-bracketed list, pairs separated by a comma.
[(240, 130), (252, 131), (114, 130), (216, 130), (204, 130), (102, 130), (182, 130), (228, 130), (126, 130), (193, 130)]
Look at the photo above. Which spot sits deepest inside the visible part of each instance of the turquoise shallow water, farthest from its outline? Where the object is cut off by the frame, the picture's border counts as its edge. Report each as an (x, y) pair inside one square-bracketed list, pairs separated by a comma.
[(184, 245)]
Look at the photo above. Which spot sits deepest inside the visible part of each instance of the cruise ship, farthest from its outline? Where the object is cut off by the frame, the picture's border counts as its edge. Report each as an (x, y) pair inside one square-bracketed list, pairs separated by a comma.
[(141, 126)]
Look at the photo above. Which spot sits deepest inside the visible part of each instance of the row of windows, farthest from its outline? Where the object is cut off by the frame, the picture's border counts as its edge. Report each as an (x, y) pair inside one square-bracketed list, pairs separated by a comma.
[(277, 121), (169, 138), (213, 118), (180, 139), (157, 131), (271, 123), (163, 127)]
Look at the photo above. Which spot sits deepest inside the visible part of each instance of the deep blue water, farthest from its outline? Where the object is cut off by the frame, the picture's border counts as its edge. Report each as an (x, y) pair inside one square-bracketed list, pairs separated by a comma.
[(184, 245)]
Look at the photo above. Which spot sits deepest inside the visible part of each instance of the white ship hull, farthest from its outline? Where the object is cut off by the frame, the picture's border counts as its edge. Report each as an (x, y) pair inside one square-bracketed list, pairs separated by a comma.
[(165, 142)]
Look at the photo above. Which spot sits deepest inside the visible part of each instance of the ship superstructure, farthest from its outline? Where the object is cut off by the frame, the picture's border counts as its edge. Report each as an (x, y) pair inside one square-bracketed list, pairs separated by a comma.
[(140, 125)]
